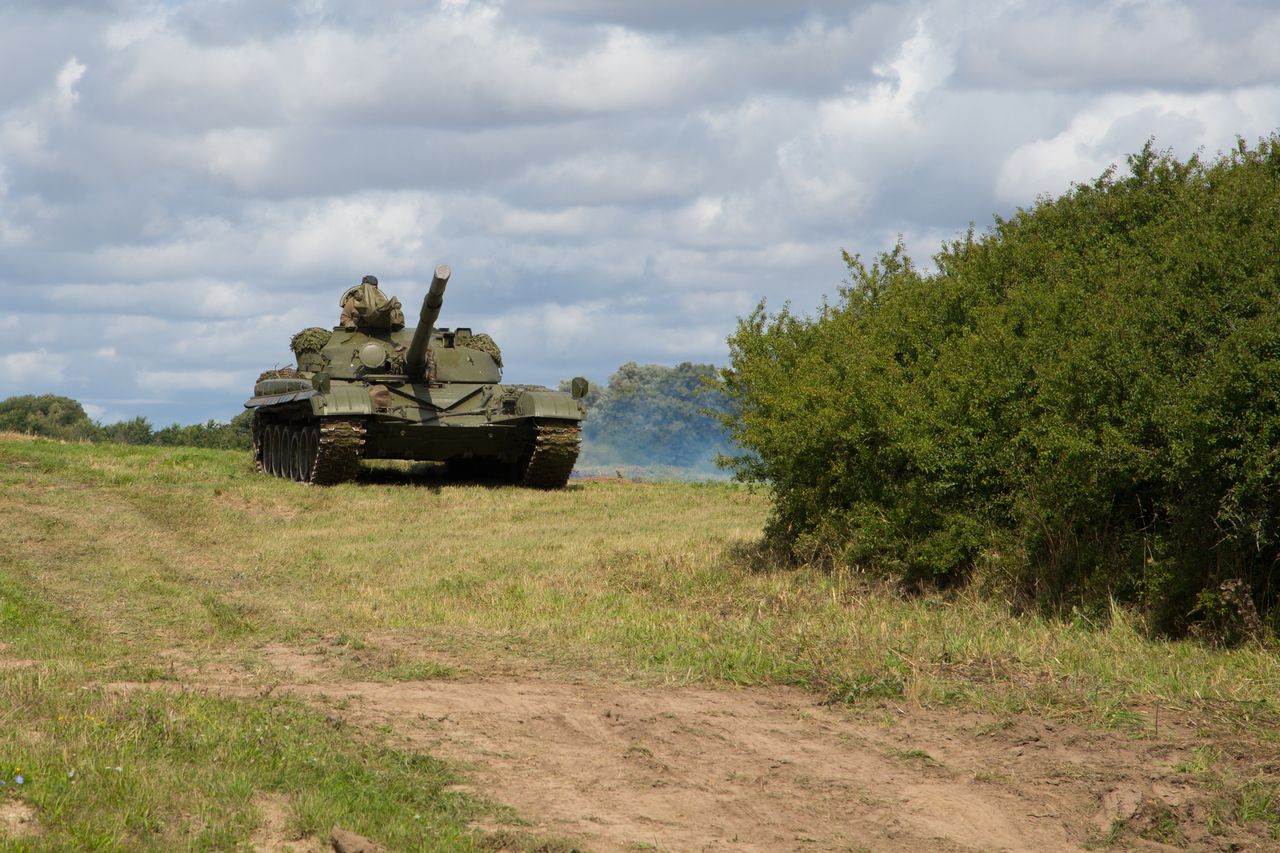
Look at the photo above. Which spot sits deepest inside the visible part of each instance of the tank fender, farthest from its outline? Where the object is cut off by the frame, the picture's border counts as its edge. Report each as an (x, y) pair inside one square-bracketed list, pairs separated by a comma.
[(343, 400), (548, 404)]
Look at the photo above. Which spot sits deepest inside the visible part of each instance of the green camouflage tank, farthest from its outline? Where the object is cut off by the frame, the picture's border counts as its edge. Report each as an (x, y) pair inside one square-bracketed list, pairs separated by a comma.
[(382, 391)]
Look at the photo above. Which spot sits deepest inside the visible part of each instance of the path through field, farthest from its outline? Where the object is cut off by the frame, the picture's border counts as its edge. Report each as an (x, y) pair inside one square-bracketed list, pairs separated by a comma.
[(613, 767), (570, 657)]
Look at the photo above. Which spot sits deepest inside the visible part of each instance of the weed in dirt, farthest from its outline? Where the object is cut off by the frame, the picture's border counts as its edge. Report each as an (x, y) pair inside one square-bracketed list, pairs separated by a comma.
[(989, 728), (1200, 763), (1259, 800), (917, 757), (369, 663), (1158, 822), (410, 670)]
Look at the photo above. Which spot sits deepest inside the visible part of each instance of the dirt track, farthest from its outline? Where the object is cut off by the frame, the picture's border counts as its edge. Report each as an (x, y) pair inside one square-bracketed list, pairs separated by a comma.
[(612, 767)]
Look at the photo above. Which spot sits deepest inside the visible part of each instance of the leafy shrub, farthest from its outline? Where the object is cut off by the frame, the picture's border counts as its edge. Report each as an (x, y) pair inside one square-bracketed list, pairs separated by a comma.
[(234, 435), (1082, 404), (48, 415)]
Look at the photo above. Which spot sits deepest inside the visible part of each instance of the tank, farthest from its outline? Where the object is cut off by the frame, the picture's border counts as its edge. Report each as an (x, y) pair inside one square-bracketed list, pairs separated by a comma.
[(366, 391)]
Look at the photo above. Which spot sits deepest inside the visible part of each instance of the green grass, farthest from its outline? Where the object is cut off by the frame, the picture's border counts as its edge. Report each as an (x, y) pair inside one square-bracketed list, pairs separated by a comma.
[(161, 770), (123, 563), (196, 553)]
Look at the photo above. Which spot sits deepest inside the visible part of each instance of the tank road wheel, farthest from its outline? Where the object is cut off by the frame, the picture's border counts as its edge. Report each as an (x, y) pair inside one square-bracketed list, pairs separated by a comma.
[(286, 453), (258, 438), (286, 458), (278, 450), (295, 454), (279, 447), (310, 448), (268, 447), (271, 441), (302, 470), (287, 446)]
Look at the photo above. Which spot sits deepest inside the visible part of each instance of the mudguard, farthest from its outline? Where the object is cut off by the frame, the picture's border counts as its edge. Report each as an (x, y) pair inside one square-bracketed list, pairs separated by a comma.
[(548, 404)]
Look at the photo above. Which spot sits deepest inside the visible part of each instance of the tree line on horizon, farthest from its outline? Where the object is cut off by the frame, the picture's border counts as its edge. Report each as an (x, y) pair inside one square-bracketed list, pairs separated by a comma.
[(62, 418), (645, 415)]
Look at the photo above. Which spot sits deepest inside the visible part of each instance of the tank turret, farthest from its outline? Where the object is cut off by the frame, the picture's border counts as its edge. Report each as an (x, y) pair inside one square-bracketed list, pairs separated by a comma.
[(416, 359)]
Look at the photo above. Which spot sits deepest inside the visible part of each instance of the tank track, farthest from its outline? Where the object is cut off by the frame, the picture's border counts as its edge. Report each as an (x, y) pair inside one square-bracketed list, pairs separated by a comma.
[(323, 453), (555, 449), (340, 448)]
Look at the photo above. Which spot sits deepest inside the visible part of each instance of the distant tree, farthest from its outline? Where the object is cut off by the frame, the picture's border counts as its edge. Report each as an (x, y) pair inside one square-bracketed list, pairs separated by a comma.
[(236, 435), (133, 431), (52, 416), (47, 415), (650, 414)]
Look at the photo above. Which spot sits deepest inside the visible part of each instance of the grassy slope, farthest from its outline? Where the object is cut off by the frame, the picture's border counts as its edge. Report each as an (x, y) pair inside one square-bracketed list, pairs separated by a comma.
[(118, 561)]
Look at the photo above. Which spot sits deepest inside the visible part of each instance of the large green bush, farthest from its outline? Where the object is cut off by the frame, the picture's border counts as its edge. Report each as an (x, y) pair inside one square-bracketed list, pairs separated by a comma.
[(49, 415), (1081, 405)]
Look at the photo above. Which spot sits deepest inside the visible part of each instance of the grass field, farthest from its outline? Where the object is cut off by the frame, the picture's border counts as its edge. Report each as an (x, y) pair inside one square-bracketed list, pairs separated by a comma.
[(137, 565)]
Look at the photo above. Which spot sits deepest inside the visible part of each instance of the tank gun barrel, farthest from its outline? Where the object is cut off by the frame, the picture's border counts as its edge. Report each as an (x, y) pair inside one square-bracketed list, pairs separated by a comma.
[(416, 359)]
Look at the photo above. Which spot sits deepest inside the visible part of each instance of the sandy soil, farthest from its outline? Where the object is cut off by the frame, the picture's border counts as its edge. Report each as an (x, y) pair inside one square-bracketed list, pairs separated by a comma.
[(17, 820), (612, 767)]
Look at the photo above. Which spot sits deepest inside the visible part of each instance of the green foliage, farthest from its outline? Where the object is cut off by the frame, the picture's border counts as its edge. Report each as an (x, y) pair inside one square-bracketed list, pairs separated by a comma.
[(309, 340), (649, 414), (234, 435), (52, 416), (136, 430), (46, 414), (484, 343), (1082, 404), (160, 770)]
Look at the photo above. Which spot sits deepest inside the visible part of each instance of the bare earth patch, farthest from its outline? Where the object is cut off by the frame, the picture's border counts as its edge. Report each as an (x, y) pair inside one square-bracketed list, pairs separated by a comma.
[(17, 819), (7, 662), (273, 834), (613, 767), (758, 769)]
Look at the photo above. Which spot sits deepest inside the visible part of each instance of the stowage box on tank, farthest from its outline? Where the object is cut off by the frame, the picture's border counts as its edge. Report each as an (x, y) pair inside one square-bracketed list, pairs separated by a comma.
[(372, 389)]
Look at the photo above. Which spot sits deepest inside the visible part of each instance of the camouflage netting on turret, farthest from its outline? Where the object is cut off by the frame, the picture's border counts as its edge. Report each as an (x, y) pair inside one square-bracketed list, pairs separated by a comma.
[(309, 340), (280, 373), (484, 343)]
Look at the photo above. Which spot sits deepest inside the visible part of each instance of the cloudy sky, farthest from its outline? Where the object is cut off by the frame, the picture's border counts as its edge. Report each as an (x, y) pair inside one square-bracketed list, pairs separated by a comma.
[(183, 185)]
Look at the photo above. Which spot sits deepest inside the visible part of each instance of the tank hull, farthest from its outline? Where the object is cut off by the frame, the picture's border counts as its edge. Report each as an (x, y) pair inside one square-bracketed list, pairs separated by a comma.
[(518, 434)]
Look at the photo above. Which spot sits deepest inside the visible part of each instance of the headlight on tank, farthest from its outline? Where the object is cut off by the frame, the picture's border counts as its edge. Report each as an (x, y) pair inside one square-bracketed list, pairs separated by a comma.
[(372, 356)]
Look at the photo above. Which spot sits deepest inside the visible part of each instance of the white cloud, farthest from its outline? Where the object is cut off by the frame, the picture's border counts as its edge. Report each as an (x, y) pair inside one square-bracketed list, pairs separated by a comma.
[(65, 94), (1125, 44), (183, 186), (26, 129), (22, 367), (244, 155), (162, 381), (1111, 127)]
